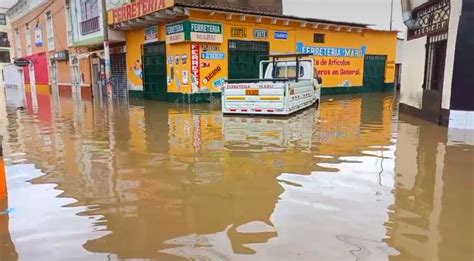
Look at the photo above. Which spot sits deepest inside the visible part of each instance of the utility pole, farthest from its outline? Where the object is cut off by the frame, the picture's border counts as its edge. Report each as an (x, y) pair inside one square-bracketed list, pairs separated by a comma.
[(391, 15), (106, 44)]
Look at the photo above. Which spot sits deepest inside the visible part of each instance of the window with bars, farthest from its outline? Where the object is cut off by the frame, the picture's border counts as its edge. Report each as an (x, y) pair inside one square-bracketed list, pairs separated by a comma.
[(435, 62), (50, 30), (89, 16), (89, 9)]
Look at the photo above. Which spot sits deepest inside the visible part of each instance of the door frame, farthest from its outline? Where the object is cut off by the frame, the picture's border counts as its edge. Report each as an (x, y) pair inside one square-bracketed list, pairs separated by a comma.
[(366, 84), (432, 99), (96, 82), (144, 74)]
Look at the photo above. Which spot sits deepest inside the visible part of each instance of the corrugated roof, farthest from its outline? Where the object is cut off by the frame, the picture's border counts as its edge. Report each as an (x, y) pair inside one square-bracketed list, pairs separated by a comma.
[(263, 13)]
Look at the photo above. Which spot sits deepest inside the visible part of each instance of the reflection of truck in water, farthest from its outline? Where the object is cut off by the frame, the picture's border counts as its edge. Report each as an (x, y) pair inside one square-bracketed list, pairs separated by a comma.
[(265, 135), (287, 83)]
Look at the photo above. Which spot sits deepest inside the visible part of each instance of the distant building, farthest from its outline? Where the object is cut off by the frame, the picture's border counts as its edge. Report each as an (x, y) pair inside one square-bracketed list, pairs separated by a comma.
[(184, 51), (6, 54), (87, 35), (437, 82), (40, 35), (65, 41)]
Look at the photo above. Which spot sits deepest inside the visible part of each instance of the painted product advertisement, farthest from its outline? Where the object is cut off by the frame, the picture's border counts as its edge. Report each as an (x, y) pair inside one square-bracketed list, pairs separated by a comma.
[(208, 67), (179, 78)]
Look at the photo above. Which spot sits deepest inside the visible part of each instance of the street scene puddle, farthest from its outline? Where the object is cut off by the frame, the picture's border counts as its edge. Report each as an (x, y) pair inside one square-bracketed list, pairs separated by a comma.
[(144, 180)]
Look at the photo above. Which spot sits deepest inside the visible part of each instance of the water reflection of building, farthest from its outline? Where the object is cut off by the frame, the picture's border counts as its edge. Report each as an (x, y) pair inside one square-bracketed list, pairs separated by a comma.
[(434, 201), (155, 171), (350, 126)]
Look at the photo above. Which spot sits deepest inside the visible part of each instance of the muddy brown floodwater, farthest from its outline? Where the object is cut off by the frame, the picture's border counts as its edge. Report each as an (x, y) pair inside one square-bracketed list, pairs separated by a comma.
[(157, 181)]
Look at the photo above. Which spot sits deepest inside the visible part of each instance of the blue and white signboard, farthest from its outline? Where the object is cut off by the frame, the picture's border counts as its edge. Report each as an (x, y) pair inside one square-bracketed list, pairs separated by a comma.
[(212, 56), (38, 36), (282, 35), (331, 51)]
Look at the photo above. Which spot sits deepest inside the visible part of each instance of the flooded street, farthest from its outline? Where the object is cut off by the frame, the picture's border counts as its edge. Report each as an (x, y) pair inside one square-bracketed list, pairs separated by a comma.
[(147, 180)]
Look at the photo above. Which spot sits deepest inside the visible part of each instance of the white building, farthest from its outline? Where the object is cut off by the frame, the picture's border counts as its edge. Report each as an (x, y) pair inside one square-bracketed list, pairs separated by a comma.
[(6, 53), (437, 75), (88, 36)]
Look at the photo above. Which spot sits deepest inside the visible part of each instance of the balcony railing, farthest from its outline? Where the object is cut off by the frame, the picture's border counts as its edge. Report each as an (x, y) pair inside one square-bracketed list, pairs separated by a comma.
[(90, 26)]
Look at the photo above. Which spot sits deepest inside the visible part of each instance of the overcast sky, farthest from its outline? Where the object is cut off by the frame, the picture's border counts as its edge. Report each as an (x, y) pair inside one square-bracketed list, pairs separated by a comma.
[(376, 12), (7, 3)]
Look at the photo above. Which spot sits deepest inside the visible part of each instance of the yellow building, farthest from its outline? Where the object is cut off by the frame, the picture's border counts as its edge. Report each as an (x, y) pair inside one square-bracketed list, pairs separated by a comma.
[(184, 52)]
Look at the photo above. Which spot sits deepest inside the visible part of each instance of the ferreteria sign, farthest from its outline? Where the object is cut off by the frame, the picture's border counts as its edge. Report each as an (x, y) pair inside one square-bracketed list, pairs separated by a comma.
[(136, 9), (331, 51), (175, 33), (194, 31), (431, 18)]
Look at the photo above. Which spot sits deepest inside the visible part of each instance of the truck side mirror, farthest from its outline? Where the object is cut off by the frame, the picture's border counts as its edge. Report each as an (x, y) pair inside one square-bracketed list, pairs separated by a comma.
[(320, 80)]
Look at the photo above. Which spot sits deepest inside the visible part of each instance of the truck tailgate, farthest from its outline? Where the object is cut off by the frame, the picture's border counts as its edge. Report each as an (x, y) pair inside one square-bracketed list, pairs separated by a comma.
[(253, 98)]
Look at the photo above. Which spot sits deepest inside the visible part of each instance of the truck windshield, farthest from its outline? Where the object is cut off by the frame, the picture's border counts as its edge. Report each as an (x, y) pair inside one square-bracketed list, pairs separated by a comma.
[(287, 72), (286, 69)]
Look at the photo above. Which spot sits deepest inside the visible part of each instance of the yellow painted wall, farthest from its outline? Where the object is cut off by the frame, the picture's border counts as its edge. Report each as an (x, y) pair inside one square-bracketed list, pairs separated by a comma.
[(178, 81), (135, 40), (377, 43)]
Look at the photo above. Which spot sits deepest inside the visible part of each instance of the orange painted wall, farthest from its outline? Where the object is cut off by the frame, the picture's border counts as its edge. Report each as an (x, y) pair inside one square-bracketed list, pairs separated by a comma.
[(38, 17), (3, 181), (64, 72)]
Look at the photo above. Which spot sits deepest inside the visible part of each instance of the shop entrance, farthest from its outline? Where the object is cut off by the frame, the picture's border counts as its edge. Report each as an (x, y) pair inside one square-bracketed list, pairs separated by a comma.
[(434, 77), (374, 72), (154, 70), (245, 57), (118, 66)]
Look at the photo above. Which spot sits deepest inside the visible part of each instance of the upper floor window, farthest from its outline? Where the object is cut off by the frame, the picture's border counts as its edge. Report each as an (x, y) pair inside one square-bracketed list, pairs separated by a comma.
[(3, 19), (50, 30), (4, 40), (89, 16), (318, 38), (89, 9), (5, 57)]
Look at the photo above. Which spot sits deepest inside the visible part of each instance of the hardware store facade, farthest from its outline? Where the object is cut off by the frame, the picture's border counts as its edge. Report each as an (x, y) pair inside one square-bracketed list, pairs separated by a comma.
[(179, 52)]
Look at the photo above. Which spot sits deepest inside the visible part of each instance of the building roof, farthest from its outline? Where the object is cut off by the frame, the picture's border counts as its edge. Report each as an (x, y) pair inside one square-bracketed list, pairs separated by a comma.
[(269, 14)]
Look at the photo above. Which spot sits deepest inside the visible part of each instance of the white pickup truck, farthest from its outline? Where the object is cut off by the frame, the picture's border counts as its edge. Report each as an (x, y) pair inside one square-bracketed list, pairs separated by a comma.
[(287, 84)]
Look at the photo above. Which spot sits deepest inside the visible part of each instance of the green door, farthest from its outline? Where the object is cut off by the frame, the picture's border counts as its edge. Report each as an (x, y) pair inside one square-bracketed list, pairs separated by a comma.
[(374, 72), (154, 71), (245, 57)]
